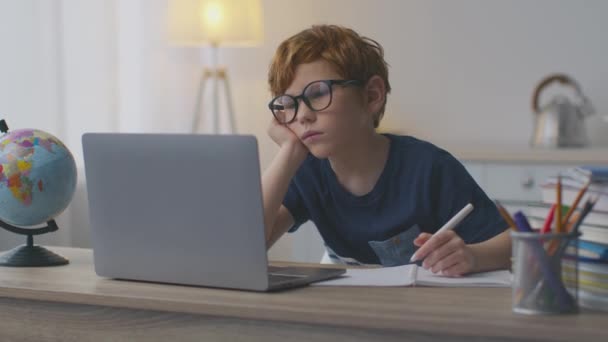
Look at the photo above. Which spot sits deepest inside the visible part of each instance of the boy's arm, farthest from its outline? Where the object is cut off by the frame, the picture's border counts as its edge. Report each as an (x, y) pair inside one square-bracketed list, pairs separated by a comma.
[(492, 254), (282, 223), (275, 182)]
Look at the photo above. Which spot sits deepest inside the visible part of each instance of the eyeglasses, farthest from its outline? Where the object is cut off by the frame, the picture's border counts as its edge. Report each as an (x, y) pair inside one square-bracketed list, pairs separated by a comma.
[(317, 96)]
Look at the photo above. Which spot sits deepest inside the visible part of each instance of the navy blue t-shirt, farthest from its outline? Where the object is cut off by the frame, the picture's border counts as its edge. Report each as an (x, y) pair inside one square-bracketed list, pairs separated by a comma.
[(420, 188)]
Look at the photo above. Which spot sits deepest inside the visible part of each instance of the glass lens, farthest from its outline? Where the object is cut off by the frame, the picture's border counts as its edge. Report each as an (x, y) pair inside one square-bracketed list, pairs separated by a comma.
[(318, 95), (284, 108)]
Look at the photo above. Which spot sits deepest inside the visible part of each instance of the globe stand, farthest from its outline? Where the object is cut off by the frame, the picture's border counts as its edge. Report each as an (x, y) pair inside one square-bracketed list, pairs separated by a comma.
[(29, 255)]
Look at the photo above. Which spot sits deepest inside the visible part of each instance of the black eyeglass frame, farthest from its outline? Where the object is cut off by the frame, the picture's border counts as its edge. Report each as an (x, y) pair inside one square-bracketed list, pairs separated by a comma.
[(329, 83)]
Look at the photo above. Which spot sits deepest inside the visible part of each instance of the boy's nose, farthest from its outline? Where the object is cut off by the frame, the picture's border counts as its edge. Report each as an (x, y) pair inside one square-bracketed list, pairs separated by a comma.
[(305, 114)]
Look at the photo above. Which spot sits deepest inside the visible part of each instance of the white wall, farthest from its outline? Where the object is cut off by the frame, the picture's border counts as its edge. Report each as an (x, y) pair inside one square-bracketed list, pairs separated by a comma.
[(29, 65), (461, 70)]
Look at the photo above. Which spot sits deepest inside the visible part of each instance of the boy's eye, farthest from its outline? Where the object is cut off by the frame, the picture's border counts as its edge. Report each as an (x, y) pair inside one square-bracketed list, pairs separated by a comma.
[(317, 93), (317, 90)]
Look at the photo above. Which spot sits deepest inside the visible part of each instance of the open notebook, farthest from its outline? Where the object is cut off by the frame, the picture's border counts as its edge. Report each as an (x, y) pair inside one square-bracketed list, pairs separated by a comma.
[(412, 275)]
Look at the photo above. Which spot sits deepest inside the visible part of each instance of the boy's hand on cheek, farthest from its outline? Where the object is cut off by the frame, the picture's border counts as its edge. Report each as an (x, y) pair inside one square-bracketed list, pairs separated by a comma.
[(281, 134), (446, 254), (288, 140)]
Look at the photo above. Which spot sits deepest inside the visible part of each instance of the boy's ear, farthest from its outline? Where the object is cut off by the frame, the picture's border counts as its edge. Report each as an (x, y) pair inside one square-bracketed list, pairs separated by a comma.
[(375, 94)]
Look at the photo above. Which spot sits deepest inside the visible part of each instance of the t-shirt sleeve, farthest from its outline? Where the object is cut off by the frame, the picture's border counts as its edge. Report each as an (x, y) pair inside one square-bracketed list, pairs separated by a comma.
[(452, 189), (294, 202)]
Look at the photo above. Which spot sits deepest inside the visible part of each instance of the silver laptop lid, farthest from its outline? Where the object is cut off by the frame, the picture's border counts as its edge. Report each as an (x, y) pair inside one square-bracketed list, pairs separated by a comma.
[(176, 208)]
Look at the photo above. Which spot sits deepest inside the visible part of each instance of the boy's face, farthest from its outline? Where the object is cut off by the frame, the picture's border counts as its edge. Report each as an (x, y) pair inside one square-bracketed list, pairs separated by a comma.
[(335, 128)]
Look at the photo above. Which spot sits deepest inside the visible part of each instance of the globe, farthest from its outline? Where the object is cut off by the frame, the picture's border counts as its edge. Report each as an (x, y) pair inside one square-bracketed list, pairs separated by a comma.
[(37, 177)]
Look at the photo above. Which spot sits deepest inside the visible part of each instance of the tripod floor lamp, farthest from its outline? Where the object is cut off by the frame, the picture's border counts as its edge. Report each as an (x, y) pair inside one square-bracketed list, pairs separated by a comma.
[(214, 24)]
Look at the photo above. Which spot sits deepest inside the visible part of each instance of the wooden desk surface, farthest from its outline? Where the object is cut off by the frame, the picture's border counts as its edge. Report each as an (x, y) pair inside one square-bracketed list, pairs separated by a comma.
[(455, 312)]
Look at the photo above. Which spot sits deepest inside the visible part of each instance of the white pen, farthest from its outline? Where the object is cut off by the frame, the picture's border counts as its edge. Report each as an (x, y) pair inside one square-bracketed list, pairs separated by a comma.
[(453, 222)]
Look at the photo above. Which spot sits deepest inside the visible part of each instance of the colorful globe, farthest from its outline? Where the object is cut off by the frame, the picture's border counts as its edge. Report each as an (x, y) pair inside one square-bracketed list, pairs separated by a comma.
[(37, 177)]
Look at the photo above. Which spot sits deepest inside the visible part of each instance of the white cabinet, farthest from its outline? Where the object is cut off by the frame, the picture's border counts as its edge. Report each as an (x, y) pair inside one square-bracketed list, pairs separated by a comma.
[(517, 172), (514, 180)]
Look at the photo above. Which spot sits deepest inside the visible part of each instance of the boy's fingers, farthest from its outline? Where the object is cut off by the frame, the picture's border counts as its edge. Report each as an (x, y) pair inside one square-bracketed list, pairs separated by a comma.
[(432, 244), (437, 256), (456, 270), (446, 262), (424, 236), (421, 239)]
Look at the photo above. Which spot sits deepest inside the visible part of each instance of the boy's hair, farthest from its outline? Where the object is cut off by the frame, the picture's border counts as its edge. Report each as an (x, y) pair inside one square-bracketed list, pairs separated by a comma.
[(352, 56)]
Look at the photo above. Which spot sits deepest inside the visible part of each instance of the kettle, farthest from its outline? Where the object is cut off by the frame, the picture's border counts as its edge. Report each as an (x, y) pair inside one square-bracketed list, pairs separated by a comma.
[(560, 123)]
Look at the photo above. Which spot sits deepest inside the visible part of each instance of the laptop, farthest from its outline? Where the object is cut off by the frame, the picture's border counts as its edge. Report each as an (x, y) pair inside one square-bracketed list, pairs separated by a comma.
[(182, 209)]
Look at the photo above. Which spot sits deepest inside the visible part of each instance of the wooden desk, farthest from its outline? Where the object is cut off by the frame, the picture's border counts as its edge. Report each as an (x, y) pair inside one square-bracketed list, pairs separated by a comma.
[(70, 303)]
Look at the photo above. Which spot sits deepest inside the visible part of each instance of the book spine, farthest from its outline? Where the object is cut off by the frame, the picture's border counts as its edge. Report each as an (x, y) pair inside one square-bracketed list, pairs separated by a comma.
[(593, 250)]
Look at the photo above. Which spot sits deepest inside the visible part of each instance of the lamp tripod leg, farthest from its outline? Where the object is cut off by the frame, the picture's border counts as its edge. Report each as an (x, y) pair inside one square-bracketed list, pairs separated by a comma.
[(196, 118), (231, 120)]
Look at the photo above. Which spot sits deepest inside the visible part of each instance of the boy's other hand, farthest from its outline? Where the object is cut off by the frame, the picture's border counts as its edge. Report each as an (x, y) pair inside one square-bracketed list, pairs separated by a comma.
[(446, 254), (282, 135)]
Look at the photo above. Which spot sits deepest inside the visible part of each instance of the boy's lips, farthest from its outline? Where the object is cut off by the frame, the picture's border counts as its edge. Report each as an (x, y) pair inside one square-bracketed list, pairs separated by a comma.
[(309, 134)]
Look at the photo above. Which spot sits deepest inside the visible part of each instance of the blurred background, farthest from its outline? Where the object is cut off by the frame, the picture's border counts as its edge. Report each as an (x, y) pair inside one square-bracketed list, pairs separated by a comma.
[(462, 73)]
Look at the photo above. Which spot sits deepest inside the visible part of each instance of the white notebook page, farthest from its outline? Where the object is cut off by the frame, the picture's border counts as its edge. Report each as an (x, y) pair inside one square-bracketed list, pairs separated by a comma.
[(409, 275)]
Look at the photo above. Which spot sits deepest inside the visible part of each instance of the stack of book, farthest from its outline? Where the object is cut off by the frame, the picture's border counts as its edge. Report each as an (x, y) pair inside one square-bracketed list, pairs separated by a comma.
[(593, 245)]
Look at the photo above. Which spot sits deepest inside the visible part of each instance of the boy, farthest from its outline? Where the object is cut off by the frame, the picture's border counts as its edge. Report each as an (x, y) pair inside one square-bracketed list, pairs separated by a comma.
[(374, 197)]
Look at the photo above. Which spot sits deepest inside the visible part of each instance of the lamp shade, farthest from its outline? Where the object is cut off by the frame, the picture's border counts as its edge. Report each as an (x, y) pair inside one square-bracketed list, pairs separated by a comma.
[(215, 22)]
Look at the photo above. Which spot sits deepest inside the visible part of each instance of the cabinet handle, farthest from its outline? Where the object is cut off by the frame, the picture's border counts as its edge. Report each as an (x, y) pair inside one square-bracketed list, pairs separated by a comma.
[(527, 182)]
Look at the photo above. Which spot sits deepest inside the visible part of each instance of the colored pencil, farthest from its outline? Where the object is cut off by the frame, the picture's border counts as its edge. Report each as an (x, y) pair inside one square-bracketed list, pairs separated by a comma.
[(574, 205), (558, 208), (505, 215), (549, 220)]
